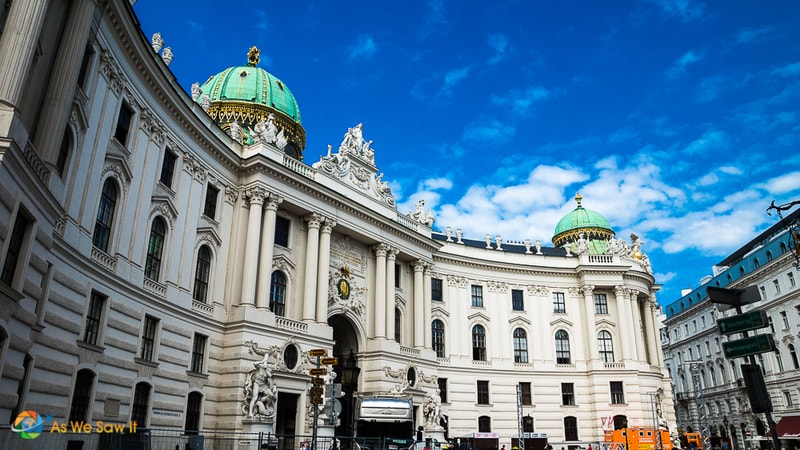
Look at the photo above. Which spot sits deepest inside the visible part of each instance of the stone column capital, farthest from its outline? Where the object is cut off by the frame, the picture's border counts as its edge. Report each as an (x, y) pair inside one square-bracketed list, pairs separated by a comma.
[(273, 201), (380, 250), (328, 225), (314, 220), (256, 195)]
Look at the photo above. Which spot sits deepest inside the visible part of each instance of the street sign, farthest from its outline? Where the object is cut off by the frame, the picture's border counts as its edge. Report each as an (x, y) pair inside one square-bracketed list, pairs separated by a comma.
[(333, 408), (318, 371), (330, 361), (318, 381), (752, 345), (334, 390), (318, 352), (732, 297), (317, 400), (743, 322), (317, 390)]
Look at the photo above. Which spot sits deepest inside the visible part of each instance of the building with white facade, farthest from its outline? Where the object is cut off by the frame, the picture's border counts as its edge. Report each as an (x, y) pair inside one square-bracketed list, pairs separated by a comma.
[(171, 258), (691, 341)]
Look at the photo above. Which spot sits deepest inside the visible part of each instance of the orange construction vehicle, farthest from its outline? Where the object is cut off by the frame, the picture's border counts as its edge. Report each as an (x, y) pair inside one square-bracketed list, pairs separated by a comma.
[(637, 438)]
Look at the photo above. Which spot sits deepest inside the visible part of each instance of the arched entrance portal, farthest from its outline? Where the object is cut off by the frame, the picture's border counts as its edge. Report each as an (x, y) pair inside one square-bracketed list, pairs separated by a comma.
[(345, 348)]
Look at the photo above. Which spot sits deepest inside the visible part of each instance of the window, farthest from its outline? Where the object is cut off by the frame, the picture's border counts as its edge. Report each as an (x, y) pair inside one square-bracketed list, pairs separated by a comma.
[(198, 353), (525, 393), (149, 331), (397, 274), (436, 289), (703, 322), (155, 248), (559, 306), (517, 303), (788, 396), (793, 355), (477, 296), (785, 320), (792, 282), (520, 346), (570, 428), (88, 55), (12, 267), (437, 337), (81, 396), (105, 216), (277, 294), (442, 382), (756, 263), (567, 394), (483, 392), (201, 274), (94, 318), (141, 403), (123, 124), (562, 347), (282, 231), (600, 304), (484, 424), (617, 395), (193, 405), (769, 255), (398, 325), (210, 206), (478, 343), (605, 346), (168, 168), (63, 153), (777, 286)]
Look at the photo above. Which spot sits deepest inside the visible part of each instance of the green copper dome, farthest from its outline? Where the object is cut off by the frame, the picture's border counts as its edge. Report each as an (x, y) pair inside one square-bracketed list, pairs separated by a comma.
[(594, 227), (248, 94)]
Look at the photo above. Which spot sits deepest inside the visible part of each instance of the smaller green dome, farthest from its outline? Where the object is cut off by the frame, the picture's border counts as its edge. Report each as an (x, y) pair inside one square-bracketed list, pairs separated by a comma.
[(591, 224)]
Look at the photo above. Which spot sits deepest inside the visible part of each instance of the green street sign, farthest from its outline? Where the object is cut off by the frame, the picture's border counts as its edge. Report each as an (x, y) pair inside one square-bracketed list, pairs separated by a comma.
[(743, 322), (752, 345)]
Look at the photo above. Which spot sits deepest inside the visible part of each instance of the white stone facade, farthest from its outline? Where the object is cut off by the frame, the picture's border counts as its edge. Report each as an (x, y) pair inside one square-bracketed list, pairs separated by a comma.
[(140, 256)]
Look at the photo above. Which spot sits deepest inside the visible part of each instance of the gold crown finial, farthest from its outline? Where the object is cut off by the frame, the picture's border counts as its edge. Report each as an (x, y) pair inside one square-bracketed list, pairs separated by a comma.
[(253, 56), (578, 198)]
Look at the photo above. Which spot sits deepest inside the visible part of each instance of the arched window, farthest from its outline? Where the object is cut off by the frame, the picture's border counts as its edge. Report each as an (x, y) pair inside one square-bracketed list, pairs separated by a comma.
[(741, 271), (722, 374), (437, 335), (277, 293), (562, 348), (194, 404), (105, 216), (756, 263), (783, 247), (141, 404), (81, 396), (769, 255), (570, 428), (712, 375), (793, 355), (155, 249), (484, 424), (605, 346), (520, 346), (730, 278), (201, 274), (478, 343)]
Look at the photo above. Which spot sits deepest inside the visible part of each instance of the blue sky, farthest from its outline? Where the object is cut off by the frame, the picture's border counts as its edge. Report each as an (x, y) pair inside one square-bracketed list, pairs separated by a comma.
[(678, 120)]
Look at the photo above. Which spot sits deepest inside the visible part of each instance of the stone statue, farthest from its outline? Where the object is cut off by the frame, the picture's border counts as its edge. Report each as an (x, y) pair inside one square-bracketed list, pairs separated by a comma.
[(420, 215), (266, 131), (353, 140), (432, 410), (157, 41), (236, 132), (280, 140), (205, 102), (196, 91), (538, 245), (582, 246), (261, 393), (368, 152), (167, 55)]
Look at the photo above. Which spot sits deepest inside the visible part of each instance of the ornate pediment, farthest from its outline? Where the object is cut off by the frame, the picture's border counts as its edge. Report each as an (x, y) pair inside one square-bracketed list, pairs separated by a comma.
[(519, 320), (561, 322), (479, 315)]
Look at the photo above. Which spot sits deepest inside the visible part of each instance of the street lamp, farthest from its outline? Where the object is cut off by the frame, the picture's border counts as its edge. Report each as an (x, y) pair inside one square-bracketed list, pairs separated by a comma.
[(349, 371), (625, 425)]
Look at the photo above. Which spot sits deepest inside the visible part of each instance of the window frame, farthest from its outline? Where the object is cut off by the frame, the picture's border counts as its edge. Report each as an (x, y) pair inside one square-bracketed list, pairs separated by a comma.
[(197, 363), (168, 163), (568, 394), (617, 392), (478, 343), (211, 201), (202, 274), (482, 392), (149, 339), (559, 303), (437, 338), (124, 125), (283, 227), (520, 338), (104, 219), (278, 286), (437, 290), (82, 393), (526, 394), (476, 295), (600, 303), (563, 353), (517, 300), (571, 428), (605, 346), (17, 249), (94, 319), (157, 241), (140, 404)]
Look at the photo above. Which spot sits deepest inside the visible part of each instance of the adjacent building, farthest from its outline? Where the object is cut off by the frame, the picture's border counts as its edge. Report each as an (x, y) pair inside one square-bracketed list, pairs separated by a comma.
[(172, 258)]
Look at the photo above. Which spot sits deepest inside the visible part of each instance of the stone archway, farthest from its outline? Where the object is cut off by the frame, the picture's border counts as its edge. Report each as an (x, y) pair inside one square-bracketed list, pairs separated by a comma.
[(345, 348)]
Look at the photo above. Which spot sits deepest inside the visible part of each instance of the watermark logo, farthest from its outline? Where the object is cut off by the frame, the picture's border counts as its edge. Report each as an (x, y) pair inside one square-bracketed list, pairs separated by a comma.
[(28, 424)]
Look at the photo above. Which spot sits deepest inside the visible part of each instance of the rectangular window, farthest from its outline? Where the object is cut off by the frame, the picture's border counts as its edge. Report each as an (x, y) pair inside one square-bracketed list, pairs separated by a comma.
[(123, 124), (567, 394), (94, 318), (785, 320), (763, 292), (16, 246), (282, 231), (436, 290), (168, 168), (149, 330), (210, 207), (198, 353), (477, 296), (483, 392), (617, 396), (600, 304), (397, 276), (525, 393), (777, 286), (790, 276), (442, 389), (517, 303), (788, 396), (88, 55), (559, 304)]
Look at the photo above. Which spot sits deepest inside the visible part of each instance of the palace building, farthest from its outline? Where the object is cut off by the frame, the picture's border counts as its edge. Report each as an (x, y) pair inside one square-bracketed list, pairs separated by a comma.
[(172, 259)]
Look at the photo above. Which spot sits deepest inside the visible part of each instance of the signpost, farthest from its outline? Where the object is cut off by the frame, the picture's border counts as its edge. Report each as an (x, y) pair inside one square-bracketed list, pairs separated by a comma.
[(752, 320), (751, 345)]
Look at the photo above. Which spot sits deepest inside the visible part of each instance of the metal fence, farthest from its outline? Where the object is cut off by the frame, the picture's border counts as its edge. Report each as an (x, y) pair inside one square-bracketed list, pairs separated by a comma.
[(159, 439)]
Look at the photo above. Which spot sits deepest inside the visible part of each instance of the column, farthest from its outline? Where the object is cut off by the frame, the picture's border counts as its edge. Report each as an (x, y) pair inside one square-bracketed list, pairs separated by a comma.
[(379, 311), (63, 79), (391, 257), (17, 46), (267, 250), (312, 249), (426, 295), (256, 198), (653, 338), (323, 269), (624, 322), (639, 334), (588, 323), (419, 304)]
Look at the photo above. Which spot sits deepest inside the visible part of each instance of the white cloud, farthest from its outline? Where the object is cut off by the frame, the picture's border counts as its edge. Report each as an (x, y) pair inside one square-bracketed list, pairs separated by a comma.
[(788, 70), (679, 66), (686, 10), (712, 140), (749, 35), (451, 79), (364, 48), (521, 101), (488, 132), (499, 44), (783, 184)]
